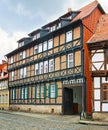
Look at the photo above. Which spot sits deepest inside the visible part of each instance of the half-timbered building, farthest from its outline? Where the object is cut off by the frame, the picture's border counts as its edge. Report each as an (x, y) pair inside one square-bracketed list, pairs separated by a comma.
[(4, 91), (98, 47), (49, 71)]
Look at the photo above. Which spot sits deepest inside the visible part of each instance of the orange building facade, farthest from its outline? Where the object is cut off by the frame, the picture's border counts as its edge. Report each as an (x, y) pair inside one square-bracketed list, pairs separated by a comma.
[(49, 71)]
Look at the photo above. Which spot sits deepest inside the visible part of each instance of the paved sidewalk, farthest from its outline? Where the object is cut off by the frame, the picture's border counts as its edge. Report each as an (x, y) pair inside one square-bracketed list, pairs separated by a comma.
[(93, 122), (59, 118)]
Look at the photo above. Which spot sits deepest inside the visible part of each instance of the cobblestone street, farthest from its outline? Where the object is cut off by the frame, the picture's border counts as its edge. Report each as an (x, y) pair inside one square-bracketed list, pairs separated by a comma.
[(30, 121)]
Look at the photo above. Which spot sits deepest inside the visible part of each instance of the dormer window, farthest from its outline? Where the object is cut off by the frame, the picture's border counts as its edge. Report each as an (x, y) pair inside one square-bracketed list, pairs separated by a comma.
[(21, 44), (34, 37), (38, 35)]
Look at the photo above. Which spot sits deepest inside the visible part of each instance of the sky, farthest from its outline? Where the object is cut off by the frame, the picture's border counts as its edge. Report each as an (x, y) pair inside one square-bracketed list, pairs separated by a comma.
[(20, 17)]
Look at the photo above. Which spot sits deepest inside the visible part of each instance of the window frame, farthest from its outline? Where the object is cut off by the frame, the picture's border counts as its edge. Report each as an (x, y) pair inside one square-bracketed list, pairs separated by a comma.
[(69, 36), (70, 60)]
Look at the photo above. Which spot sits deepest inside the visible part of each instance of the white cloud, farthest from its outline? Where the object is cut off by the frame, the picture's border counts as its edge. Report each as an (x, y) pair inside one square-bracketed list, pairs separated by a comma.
[(9, 43)]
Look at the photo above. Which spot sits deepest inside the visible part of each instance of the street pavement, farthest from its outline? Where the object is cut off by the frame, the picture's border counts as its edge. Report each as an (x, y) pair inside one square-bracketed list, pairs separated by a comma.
[(11, 120)]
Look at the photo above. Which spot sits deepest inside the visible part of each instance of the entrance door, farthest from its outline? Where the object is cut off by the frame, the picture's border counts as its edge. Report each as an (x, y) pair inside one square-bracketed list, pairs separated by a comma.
[(67, 101)]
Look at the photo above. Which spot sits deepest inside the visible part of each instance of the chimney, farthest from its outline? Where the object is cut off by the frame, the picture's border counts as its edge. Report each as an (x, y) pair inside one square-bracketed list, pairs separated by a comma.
[(69, 10)]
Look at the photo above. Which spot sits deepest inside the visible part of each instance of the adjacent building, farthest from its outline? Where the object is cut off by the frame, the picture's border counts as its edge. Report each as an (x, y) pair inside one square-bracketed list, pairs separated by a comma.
[(98, 48), (4, 91), (49, 71)]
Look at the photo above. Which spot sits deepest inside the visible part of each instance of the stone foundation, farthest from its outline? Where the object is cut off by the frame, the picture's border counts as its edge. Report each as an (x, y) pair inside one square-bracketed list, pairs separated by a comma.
[(56, 109), (100, 116)]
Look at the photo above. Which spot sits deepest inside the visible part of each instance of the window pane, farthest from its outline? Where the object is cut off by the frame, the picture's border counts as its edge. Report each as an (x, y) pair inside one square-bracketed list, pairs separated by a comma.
[(41, 68), (45, 46), (52, 91), (69, 36), (50, 44), (38, 92), (97, 94), (70, 60), (97, 82), (40, 47), (36, 49), (51, 65), (36, 69), (45, 66)]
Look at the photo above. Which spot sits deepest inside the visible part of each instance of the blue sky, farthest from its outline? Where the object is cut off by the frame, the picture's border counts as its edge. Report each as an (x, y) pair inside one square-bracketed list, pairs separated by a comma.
[(20, 17)]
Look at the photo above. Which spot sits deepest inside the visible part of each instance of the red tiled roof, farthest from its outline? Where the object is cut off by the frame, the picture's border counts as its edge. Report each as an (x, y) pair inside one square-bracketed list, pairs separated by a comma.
[(86, 10), (101, 33)]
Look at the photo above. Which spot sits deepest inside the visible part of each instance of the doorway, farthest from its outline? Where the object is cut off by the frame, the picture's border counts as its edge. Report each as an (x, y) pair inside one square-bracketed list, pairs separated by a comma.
[(72, 100), (67, 101)]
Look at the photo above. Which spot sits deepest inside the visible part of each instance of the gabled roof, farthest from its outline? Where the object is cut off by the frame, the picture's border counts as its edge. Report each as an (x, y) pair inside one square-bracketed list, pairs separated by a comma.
[(87, 10), (101, 33)]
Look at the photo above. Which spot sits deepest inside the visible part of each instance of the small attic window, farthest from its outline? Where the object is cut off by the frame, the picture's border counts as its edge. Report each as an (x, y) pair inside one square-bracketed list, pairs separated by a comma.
[(21, 44)]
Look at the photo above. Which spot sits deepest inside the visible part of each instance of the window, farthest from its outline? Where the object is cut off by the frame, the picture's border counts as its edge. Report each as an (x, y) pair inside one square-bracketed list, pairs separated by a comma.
[(69, 36), (36, 49), (45, 66), (26, 92), (45, 46), (22, 93), (23, 72), (105, 92), (13, 94), (51, 65), (107, 59), (12, 75), (50, 44), (12, 60), (41, 68), (40, 47), (70, 60), (36, 69), (53, 91), (40, 91), (43, 91), (21, 44), (34, 37), (22, 55), (38, 35)]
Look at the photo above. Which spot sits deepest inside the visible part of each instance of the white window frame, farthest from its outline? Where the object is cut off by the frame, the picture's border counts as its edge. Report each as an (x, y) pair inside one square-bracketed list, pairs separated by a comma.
[(26, 93), (22, 93), (51, 65), (52, 91), (35, 49), (36, 69), (70, 61), (11, 59), (50, 44), (24, 72), (45, 66), (21, 73), (41, 68), (45, 46), (34, 37), (13, 94), (40, 47), (69, 36), (12, 75)]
